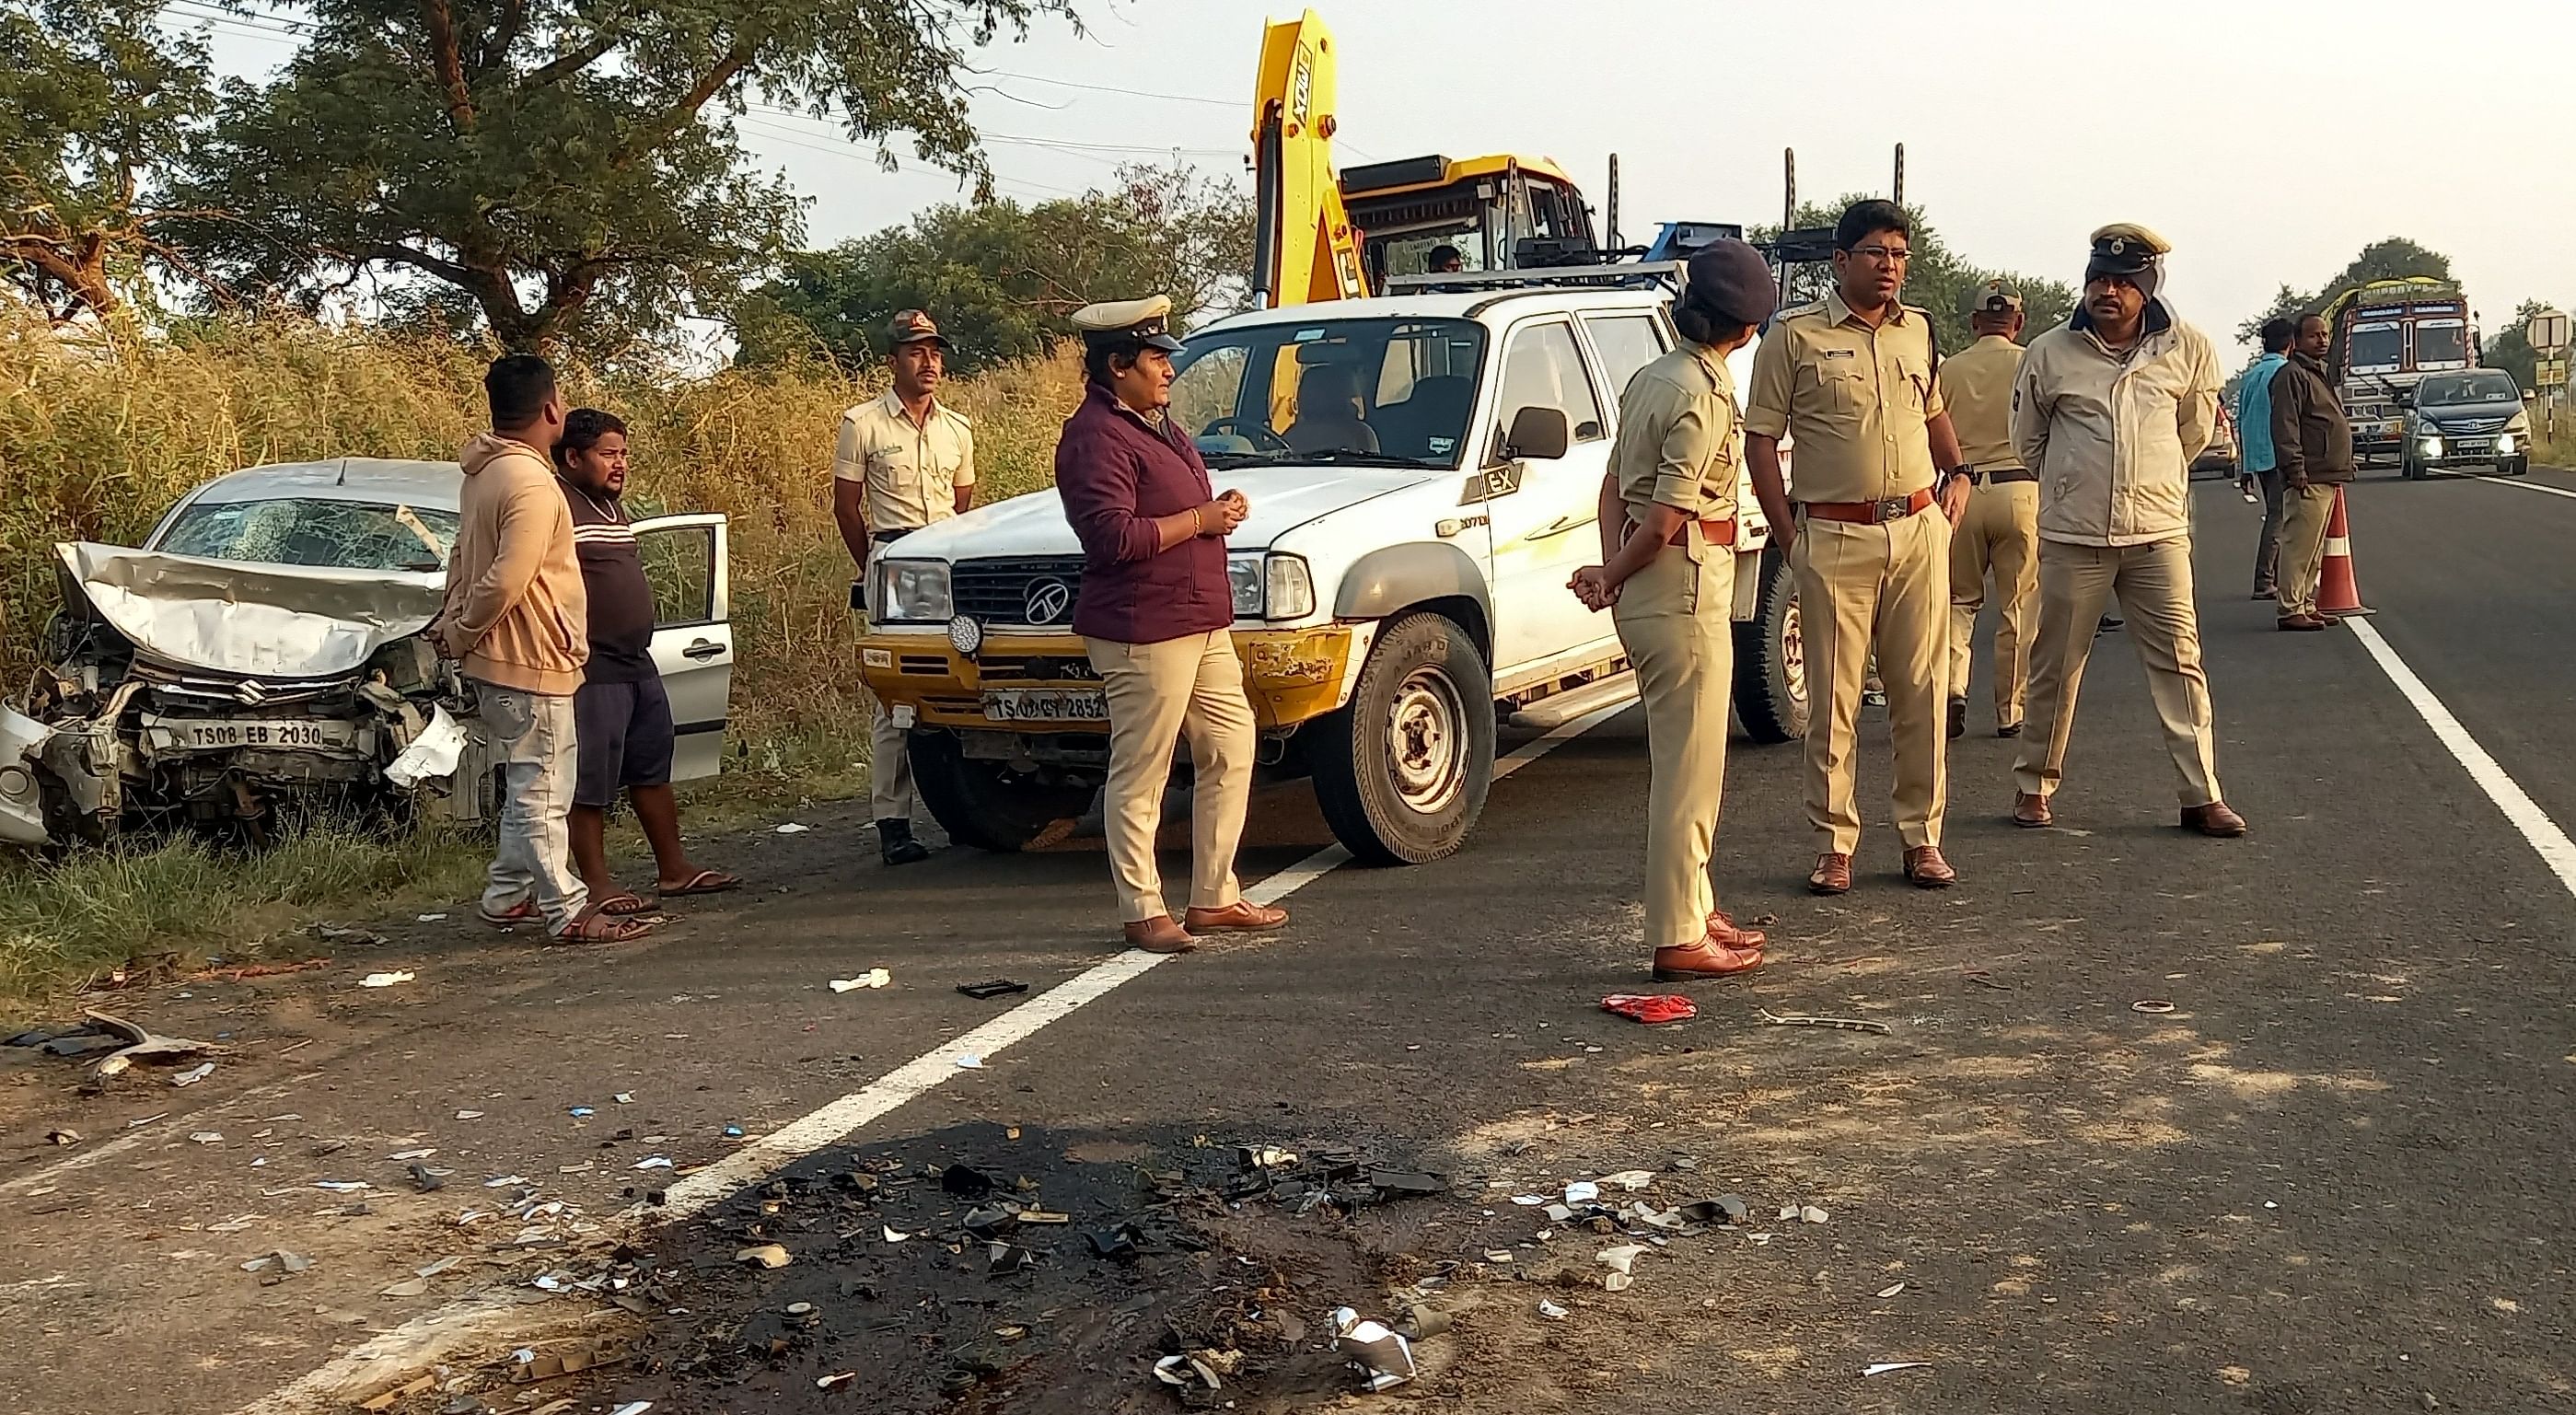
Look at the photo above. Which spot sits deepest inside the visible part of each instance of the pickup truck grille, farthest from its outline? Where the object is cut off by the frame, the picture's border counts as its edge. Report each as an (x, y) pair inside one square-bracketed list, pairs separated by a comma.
[(1017, 590)]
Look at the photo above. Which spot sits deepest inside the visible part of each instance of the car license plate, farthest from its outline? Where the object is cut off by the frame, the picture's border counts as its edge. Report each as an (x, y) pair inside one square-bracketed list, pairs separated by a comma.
[(2472, 446), (200, 734), (1046, 705)]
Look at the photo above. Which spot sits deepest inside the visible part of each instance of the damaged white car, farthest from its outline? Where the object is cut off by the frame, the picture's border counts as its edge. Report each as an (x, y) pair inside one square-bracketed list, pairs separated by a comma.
[(263, 652)]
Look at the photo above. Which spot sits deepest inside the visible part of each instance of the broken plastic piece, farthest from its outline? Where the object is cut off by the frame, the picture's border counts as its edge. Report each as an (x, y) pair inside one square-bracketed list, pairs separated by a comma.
[(1551, 1311), (632, 1407), (1003, 1259), (434, 753), (1843, 1024), (1880, 1368), (794, 828), (767, 1255), (1116, 1244), (1616, 1282), (1631, 1180), (1582, 1191), (424, 1180), (189, 1077), (1621, 1258), (1382, 1355), (61, 1136), (2153, 1006), (409, 1287), (872, 978), (998, 987), (581, 1112), (1653, 1009), (964, 1181), (970, 1062), (1406, 1183), (836, 1378), (654, 1162), (1891, 1290), (893, 1234), (1812, 1214), (1422, 1321), (386, 980)]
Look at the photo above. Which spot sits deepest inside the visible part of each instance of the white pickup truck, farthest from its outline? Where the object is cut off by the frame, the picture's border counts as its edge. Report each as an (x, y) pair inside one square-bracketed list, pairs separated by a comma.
[(1423, 470)]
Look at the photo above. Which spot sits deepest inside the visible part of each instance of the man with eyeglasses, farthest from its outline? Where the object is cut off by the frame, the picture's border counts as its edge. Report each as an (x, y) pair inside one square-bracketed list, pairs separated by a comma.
[(2109, 409), (1849, 380)]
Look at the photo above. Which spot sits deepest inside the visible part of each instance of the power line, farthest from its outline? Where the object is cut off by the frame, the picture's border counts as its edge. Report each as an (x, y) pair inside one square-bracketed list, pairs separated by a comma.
[(850, 153)]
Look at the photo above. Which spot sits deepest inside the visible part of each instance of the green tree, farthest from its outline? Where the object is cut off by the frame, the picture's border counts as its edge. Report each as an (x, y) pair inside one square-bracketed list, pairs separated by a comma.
[(567, 170), (1938, 279), (2511, 349), (2393, 258), (1003, 279), (97, 100)]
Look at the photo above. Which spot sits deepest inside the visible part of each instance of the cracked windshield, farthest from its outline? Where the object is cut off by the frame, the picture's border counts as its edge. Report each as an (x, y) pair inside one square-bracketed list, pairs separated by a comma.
[(1377, 392), (336, 535)]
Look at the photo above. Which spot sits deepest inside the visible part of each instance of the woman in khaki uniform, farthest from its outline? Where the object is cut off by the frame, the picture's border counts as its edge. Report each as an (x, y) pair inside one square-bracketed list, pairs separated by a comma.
[(1668, 539)]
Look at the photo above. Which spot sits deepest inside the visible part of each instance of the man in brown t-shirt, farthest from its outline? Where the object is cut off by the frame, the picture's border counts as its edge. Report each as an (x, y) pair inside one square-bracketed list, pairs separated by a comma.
[(622, 717)]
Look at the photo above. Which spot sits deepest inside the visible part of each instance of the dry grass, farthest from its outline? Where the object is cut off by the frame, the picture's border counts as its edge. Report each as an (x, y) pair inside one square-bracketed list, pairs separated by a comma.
[(98, 437)]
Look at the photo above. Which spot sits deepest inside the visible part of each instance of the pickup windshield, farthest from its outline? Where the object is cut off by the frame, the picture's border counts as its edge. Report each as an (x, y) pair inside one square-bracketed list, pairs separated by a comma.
[(2485, 386), (1381, 392), (338, 535)]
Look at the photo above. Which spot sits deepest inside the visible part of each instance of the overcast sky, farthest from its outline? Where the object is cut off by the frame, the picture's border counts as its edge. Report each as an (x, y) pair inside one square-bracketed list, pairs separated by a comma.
[(2267, 139)]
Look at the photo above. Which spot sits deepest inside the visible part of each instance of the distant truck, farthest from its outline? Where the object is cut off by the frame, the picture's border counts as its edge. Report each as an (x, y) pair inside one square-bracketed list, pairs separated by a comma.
[(2387, 335)]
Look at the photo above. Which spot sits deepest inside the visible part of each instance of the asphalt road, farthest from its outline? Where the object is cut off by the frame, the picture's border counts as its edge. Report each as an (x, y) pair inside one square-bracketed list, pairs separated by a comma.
[(2334, 1177)]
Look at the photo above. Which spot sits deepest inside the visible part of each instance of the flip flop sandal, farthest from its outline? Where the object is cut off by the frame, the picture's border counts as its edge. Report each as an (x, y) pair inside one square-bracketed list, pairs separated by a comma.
[(703, 882), (595, 926), (523, 912), (624, 905)]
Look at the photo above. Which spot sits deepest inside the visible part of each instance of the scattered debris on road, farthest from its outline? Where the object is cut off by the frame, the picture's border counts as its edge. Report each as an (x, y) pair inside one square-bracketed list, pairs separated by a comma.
[(1383, 1356), (142, 1044), (2152, 1006), (1653, 1009), (998, 987), (1881, 1368), (387, 980), (1843, 1024), (872, 978)]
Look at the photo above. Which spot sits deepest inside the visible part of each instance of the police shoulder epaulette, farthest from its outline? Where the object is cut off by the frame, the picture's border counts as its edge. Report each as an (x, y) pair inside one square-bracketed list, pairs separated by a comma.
[(961, 419), (1801, 311)]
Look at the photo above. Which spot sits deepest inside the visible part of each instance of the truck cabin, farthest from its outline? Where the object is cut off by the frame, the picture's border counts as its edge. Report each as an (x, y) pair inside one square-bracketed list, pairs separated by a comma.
[(1497, 213)]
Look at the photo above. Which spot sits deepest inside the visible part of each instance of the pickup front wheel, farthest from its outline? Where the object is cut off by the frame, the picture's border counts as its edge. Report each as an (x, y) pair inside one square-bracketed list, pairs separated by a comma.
[(985, 803), (1402, 772), (1771, 658)]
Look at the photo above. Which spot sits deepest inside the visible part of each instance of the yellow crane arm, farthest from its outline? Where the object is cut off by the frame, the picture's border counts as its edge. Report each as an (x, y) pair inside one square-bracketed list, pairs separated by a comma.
[(1304, 249)]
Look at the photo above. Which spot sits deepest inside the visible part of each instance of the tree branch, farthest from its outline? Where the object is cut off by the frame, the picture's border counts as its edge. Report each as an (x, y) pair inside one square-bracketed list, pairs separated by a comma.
[(496, 46), (441, 21), (571, 61), (685, 111)]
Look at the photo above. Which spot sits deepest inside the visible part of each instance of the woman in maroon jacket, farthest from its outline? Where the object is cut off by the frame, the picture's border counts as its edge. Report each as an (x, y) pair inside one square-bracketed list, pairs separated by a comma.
[(1156, 612)]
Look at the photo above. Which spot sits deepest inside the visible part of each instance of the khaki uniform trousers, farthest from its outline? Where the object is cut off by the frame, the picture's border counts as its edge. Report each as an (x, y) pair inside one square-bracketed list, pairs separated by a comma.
[(1676, 621), (2305, 511), (1887, 588), (2153, 582), (2000, 532), (1159, 693), (889, 765)]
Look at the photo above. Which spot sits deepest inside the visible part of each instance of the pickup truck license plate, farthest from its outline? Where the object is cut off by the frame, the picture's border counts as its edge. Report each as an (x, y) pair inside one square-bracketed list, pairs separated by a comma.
[(1046, 705), (199, 734)]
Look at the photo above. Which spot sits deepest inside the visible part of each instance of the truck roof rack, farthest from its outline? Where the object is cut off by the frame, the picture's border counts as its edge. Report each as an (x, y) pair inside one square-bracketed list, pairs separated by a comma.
[(1623, 275)]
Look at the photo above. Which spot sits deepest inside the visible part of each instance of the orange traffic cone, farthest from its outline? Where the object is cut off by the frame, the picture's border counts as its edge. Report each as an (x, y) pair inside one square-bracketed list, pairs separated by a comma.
[(2336, 593)]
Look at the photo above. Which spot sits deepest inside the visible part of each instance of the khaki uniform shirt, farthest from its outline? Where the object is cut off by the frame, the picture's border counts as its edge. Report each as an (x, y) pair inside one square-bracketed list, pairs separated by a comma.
[(1857, 401), (911, 473), (2112, 434), (1678, 440), (1977, 384)]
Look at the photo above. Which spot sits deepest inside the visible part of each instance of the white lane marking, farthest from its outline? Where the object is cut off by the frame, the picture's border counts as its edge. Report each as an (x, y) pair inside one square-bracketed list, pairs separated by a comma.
[(2529, 485), (396, 1353), (2556, 850)]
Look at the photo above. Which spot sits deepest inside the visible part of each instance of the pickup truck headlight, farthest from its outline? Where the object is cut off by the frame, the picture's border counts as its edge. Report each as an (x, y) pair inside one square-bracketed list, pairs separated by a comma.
[(1270, 586), (913, 592)]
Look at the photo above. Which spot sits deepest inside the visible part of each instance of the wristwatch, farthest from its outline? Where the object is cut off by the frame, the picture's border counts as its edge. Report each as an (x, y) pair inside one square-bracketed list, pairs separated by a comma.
[(1961, 470)]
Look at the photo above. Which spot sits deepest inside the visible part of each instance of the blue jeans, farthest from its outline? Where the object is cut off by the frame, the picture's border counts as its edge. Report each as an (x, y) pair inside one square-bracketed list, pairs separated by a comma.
[(533, 744)]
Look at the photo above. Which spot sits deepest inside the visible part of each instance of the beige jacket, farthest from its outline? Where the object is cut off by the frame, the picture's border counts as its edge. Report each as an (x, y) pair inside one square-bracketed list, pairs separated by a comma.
[(515, 615), (2111, 435)]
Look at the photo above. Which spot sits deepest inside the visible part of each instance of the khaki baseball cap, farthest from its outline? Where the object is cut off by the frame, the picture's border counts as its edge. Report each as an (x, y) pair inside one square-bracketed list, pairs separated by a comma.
[(914, 327), (1990, 297)]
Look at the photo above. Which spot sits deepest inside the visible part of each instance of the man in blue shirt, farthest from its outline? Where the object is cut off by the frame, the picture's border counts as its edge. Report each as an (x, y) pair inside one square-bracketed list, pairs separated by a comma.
[(2254, 445)]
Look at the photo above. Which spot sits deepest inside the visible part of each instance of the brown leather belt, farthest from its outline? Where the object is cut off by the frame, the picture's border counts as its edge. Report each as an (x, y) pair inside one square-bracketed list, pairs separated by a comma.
[(1717, 533), (2000, 476), (1868, 513)]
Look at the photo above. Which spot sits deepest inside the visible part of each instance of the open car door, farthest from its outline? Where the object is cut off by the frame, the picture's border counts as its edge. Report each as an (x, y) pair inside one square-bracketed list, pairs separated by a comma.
[(687, 561)]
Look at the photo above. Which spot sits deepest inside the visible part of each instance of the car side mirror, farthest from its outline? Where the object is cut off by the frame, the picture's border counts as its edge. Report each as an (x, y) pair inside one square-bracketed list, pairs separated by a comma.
[(1537, 434)]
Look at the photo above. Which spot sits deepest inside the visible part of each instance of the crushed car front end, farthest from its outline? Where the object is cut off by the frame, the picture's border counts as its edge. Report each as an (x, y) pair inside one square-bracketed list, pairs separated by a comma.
[(176, 689)]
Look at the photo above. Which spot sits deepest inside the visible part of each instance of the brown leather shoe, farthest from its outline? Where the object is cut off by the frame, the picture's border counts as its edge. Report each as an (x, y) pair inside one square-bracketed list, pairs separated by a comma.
[(2031, 812), (1242, 916), (1925, 869), (1958, 718), (2298, 623), (2213, 819), (1832, 875), (1704, 959), (1163, 935), (1724, 932), (2009, 729)]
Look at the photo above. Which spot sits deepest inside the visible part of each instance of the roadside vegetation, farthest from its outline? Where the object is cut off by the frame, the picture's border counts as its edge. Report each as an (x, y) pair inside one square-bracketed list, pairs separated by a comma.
[(99, 434)]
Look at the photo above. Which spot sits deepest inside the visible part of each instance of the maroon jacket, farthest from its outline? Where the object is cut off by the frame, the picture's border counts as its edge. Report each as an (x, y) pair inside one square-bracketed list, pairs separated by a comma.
[(1117, 474)]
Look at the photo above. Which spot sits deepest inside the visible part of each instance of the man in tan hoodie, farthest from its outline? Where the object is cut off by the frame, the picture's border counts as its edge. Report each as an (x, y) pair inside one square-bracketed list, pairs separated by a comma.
[(517, 621)]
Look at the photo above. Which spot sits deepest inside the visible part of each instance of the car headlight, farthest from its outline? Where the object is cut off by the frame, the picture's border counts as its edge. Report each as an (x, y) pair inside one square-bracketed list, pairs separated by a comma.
[(1270, 586), (2505, 445), (2431, 446), (913, 592)]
